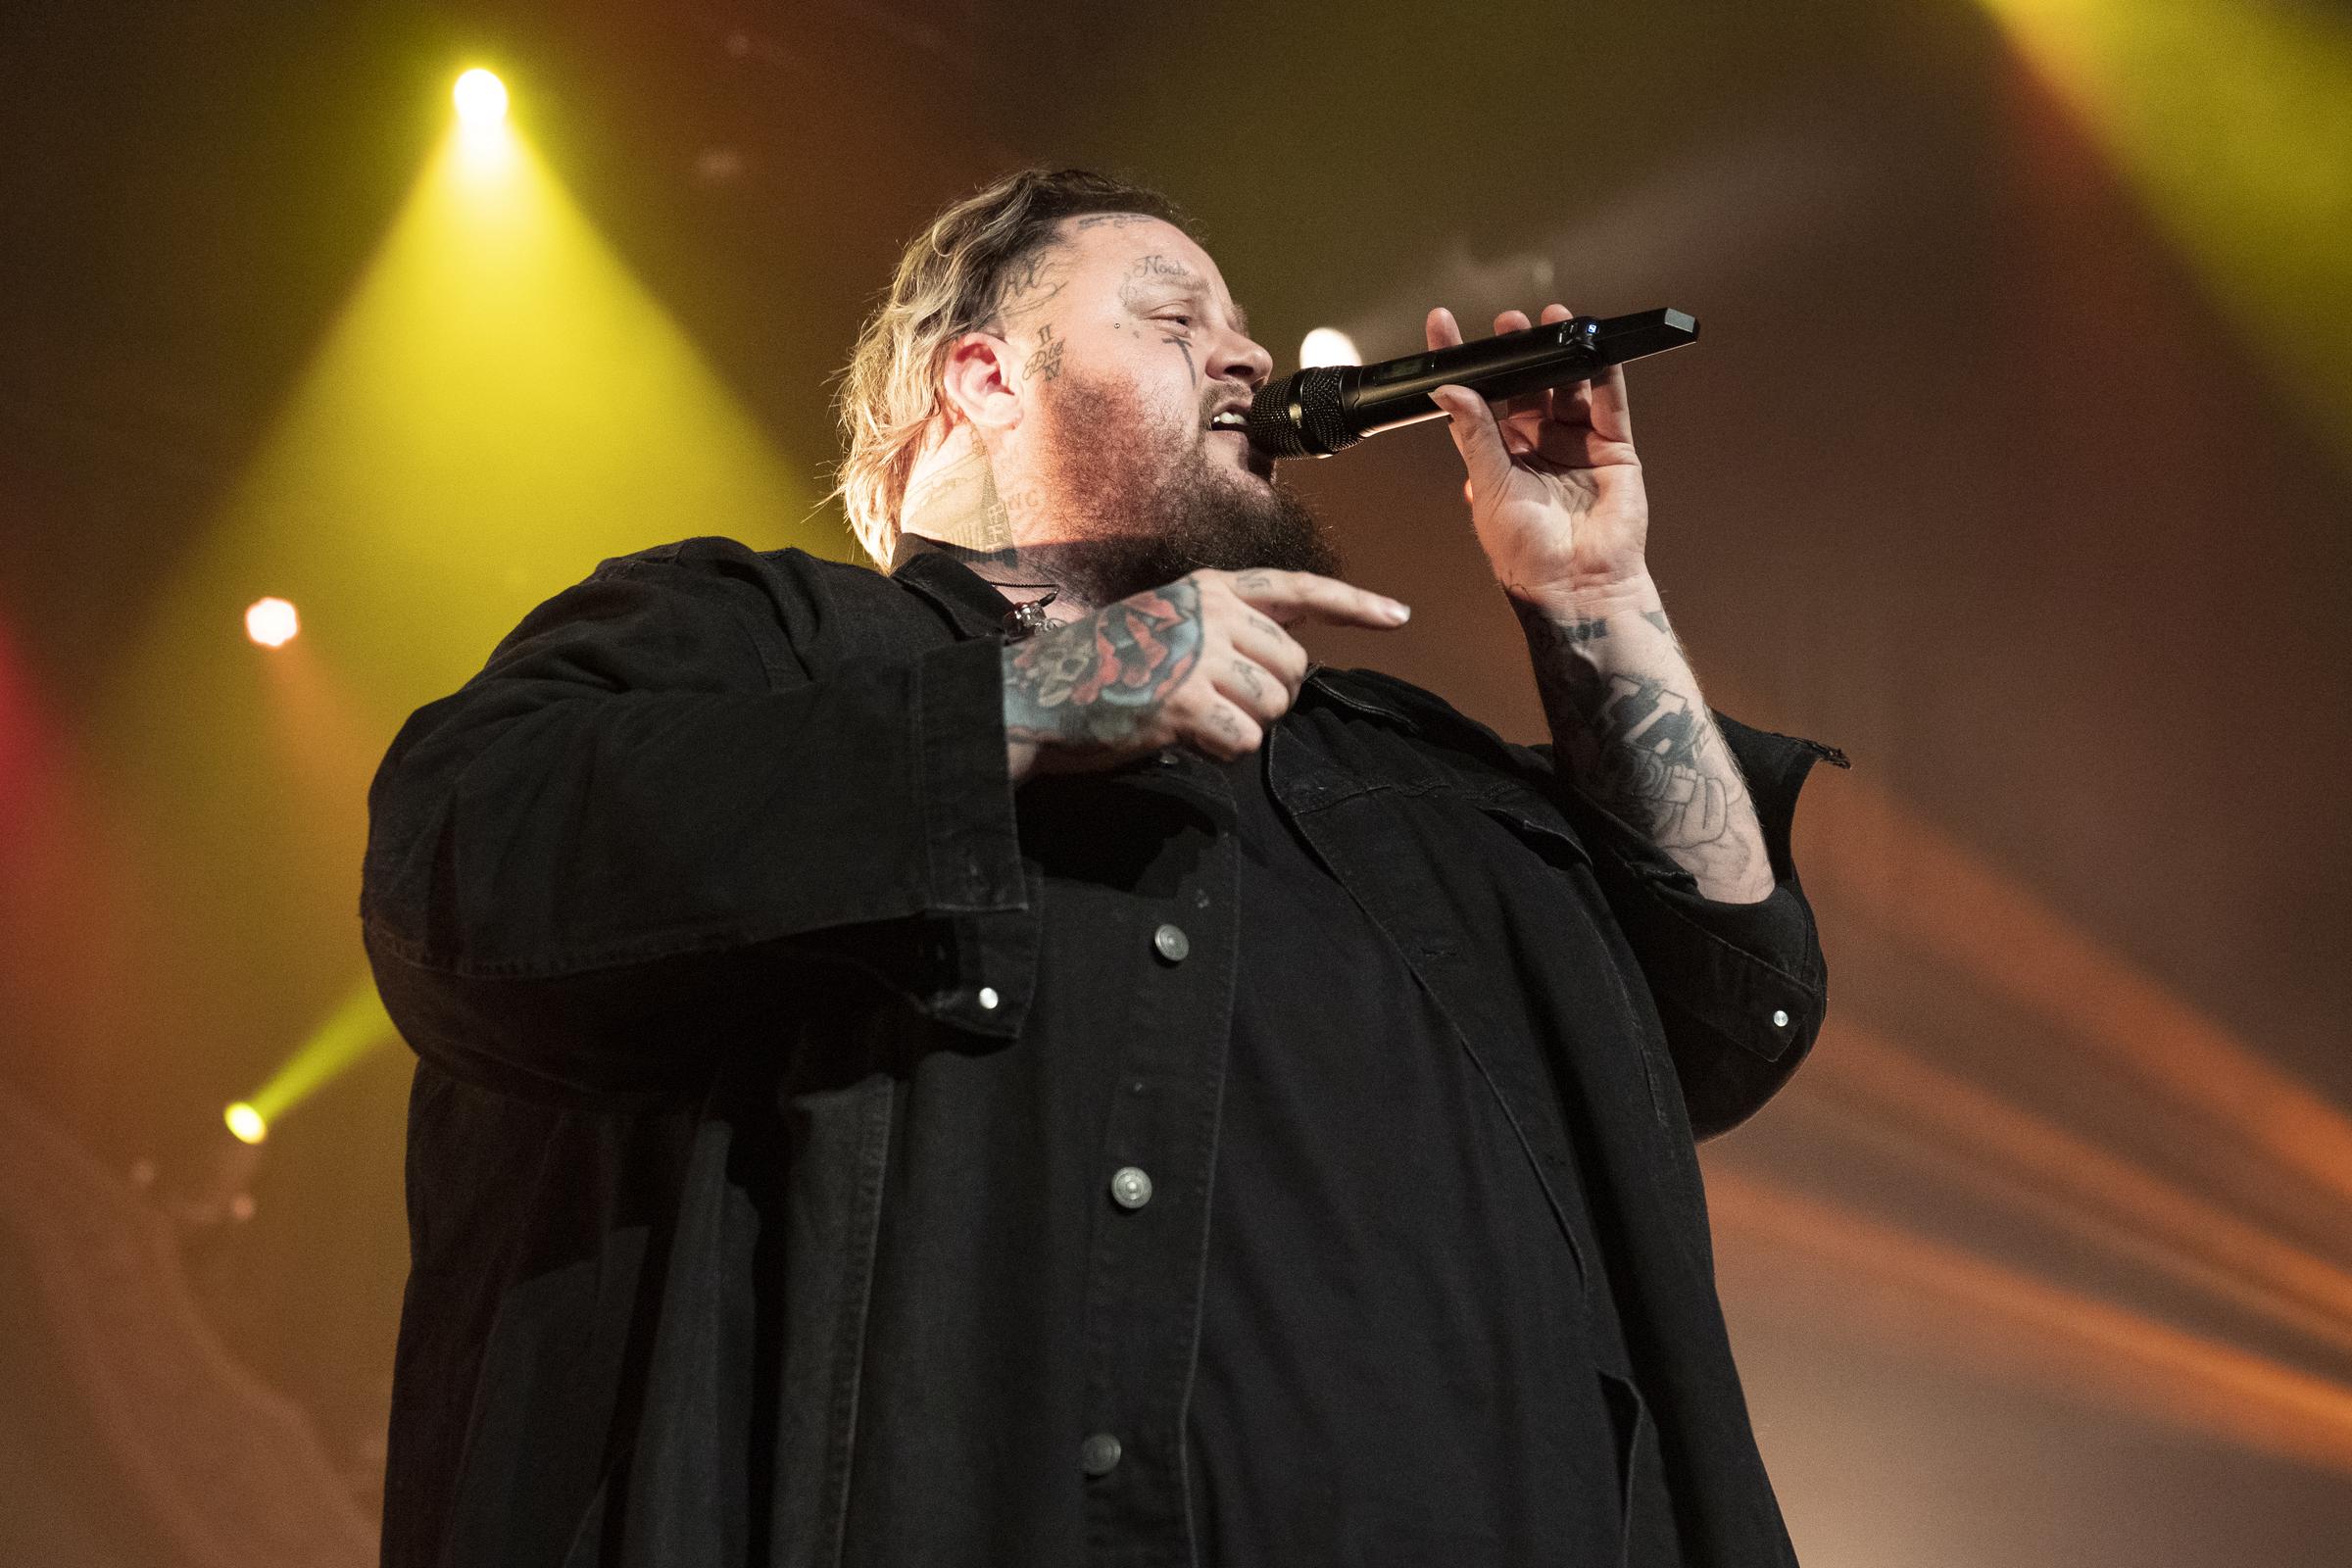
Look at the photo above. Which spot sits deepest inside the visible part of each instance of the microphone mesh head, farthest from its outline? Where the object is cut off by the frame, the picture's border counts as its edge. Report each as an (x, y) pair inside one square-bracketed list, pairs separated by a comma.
[(1270, 429), (1298, 416)]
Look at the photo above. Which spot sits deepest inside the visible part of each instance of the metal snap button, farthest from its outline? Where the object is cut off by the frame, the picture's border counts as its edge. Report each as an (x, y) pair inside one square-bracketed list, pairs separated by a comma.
[(1130, 1187)]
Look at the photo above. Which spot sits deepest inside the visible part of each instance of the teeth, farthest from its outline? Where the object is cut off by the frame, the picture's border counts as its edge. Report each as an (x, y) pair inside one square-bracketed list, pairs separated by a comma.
[(1230, 419)]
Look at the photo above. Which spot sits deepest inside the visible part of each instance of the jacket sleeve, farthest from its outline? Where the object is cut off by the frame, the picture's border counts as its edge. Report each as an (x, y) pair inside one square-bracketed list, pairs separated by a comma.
[(1742, 988), (647, 807)]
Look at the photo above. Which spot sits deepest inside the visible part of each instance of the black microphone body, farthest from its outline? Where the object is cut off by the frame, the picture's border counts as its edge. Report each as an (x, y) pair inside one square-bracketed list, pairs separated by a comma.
[(1320, 409)]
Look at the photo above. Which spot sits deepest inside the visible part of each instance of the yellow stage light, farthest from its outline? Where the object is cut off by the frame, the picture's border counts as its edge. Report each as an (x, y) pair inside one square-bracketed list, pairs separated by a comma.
[(246, 1123), (497, 405), (500, 405), (481, 98), (272, 623)]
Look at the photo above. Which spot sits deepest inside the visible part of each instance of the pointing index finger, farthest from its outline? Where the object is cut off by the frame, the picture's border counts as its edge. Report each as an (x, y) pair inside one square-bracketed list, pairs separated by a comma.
[(1294, 596)]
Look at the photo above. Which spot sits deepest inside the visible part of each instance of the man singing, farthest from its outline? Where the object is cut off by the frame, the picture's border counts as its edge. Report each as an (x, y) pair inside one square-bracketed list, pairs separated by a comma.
[(1007, 1063)]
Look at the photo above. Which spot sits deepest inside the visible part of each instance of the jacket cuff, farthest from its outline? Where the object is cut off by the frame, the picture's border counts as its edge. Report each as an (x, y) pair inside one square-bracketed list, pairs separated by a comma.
[(970, 844), (984, 965)]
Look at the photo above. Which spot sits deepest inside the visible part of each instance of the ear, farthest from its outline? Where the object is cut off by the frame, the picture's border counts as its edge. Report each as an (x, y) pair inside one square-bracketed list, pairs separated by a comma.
[(977, 382)]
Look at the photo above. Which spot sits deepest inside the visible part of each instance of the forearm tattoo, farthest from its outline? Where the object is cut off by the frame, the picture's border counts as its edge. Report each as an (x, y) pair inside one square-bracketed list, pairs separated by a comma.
[(1098, 680), (1641, 743)]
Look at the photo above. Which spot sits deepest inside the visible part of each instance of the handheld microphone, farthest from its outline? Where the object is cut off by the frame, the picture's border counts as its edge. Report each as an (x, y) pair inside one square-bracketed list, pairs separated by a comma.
[(1318, 411)]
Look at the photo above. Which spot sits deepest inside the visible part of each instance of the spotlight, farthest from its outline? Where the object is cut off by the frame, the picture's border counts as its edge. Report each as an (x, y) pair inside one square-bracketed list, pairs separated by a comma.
[(481, 98), (246, 1123), (272, 623), (1328, 345)]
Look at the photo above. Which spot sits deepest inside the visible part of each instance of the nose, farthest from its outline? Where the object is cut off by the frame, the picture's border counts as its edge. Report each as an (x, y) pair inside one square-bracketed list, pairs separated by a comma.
[(1239, 357)]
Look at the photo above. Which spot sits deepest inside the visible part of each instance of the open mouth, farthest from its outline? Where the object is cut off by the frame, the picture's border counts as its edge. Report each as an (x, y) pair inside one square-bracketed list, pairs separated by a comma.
[(1234, 423)]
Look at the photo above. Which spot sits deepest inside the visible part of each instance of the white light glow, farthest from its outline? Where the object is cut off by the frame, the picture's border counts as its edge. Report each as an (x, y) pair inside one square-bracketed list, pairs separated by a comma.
[(272, 623), (481, 98), (1328, 345)]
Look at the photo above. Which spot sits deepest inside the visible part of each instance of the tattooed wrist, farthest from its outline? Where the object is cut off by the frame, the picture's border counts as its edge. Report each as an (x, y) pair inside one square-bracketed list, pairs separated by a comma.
[(1633, 732)]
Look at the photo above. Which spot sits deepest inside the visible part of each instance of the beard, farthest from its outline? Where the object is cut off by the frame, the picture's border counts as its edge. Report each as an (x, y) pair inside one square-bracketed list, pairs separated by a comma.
[(1137, 504)]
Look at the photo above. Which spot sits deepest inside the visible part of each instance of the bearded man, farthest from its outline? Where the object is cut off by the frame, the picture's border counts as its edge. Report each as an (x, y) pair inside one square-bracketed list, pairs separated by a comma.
[(1008, 1063)]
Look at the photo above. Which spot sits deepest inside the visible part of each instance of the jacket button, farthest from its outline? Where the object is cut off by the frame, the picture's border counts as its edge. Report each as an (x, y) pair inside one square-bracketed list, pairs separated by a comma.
[(1171, 943), (988, 999), (1130, 1187), (1779, 1018), (1099, 1455)]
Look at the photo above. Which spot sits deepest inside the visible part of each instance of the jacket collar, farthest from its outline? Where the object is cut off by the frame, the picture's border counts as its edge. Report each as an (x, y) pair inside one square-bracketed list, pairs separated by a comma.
[(970, 601)]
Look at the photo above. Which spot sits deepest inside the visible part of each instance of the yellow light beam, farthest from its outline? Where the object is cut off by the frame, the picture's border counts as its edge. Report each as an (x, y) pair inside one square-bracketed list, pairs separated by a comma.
[(2233, 125), (357, 1026), (499, 405)]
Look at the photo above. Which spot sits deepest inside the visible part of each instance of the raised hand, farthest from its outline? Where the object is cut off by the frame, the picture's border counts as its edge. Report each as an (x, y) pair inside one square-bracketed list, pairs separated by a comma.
[(1555, 485)]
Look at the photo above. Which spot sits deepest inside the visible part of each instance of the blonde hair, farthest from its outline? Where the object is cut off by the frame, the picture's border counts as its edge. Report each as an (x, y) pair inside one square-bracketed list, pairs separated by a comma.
[(950, 281)]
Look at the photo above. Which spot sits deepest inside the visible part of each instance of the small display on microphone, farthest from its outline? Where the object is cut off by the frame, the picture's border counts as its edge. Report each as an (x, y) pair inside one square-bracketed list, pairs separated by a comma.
[(1323, 409)]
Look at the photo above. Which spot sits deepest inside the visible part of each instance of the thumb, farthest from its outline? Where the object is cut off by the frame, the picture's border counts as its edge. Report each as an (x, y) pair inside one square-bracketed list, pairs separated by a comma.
[(1476, 436)]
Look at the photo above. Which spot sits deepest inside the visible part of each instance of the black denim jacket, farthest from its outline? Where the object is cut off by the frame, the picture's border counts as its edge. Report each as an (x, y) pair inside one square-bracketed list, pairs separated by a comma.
[(776, 1054)]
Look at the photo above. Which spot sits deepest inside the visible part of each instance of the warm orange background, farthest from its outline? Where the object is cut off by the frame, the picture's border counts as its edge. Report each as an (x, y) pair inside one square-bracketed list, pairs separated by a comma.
[(2016, 459)]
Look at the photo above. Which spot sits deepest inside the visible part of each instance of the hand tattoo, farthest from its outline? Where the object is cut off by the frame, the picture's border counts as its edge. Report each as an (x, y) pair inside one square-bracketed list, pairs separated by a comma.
[(1099, 681)]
